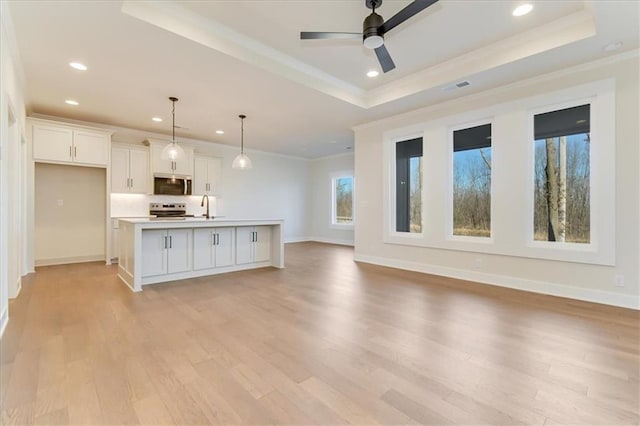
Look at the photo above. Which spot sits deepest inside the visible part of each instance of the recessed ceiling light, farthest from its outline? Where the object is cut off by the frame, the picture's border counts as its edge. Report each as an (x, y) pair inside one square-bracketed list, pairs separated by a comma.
[(157, 119), (220, 132), (78, 66), (523, 9), (613, 46), (372, 73), (72, 102)]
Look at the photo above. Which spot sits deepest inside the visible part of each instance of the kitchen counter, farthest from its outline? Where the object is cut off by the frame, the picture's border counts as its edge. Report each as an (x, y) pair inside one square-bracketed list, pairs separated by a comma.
[(156, 250)]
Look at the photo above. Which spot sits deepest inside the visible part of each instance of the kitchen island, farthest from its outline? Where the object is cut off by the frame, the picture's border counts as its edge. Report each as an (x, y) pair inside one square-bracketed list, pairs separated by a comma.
[(154, 251)]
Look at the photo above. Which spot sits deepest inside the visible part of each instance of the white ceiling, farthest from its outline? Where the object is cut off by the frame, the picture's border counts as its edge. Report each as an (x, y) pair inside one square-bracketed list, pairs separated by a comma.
[(223, 58)]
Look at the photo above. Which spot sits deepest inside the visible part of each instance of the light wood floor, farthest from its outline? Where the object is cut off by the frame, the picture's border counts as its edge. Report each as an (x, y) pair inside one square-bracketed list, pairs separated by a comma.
[(324, 341)]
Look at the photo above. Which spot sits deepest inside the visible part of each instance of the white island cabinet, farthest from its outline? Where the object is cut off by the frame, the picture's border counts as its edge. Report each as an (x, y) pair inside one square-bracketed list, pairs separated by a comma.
[(154, 251), (165, 251), (212, 247)]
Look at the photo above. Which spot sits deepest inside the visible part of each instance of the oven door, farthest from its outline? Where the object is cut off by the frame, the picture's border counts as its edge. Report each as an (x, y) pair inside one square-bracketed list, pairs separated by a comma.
[(170, 185)]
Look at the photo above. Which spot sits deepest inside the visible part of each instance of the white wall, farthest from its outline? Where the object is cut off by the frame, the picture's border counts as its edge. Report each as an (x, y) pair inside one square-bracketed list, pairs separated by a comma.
[(323, 170), (577, 280), (70, 214), (12, 197), (275, 188)]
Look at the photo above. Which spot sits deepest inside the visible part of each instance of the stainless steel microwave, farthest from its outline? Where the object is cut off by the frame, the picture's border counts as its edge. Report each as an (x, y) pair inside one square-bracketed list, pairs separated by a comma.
[(171, 185)]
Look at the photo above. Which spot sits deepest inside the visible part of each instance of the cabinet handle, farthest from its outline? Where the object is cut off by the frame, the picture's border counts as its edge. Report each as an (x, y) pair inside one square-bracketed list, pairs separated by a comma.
[(165, 242), (70, 155), (213, 239), (75, 151), (131, 182), (170, 241)]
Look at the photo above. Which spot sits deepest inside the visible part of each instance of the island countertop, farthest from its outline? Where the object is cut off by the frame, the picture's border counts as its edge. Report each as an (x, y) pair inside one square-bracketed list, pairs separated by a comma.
[(197, 222)]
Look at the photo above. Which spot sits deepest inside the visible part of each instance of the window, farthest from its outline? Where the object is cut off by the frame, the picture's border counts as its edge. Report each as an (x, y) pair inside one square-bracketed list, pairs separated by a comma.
[(342, 200), (409, 186), (562, 206), (472, 181)]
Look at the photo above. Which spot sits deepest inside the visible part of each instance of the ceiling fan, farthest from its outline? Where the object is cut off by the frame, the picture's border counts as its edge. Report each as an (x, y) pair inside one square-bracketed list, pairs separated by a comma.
[(374, 28)]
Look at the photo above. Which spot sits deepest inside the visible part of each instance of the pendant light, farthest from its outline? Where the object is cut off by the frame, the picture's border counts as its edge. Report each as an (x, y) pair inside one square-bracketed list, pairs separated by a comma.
[(173, 151), (242, 162)]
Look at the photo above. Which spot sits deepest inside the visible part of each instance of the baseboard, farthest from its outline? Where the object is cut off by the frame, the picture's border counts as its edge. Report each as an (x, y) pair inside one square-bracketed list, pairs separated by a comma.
[(4, 319), (338, 241), (68, 260), (297, 240), (542, 287)]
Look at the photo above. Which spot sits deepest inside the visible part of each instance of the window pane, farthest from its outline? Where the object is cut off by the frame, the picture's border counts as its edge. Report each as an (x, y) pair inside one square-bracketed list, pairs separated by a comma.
[(472, 181), (562, 209), (344, 200), (409, 186)]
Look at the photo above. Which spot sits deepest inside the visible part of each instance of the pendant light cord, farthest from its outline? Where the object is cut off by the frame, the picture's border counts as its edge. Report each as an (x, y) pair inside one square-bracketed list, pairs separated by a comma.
[(242, 117), (173, 126)]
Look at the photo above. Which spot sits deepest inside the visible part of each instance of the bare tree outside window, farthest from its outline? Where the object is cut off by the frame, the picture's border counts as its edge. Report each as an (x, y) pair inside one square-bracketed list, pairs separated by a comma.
[(343, 200), (562, 208), (472, 181), (415, 194)]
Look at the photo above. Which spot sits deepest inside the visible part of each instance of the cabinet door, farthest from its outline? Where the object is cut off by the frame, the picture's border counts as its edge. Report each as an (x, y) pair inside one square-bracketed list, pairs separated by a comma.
[(224, 246), (154, 252), (262, 244), (52, 143), (179, 252), (119, 170), (214, 176), (184, 166), (244, 245), (158, 165), (200, 179), (90, 148), (138, 171), (203, 249)]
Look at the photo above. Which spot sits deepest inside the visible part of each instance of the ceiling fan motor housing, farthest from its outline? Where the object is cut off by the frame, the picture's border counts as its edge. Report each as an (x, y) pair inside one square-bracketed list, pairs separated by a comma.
[(370, 31)]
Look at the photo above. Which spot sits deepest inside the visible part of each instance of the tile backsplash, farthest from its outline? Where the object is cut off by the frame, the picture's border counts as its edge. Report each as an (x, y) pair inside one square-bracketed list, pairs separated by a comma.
[(137, 205)]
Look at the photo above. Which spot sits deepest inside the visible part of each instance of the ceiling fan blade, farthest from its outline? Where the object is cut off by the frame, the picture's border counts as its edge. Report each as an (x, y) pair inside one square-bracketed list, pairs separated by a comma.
[(384, 58), (412, 9), (310, 35)]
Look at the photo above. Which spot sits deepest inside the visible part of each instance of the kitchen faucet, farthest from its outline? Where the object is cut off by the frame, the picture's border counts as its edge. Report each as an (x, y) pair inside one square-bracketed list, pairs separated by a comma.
[(205, 196)]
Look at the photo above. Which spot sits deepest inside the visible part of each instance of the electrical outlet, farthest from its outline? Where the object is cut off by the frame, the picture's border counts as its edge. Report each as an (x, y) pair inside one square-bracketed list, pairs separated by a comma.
[(619, 279), (478, 263), (60, 203)]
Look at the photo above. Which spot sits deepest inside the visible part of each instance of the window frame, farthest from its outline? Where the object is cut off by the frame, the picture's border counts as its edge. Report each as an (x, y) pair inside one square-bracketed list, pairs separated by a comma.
[(449, 225), (593, 231), (334, 224), (391, 234)]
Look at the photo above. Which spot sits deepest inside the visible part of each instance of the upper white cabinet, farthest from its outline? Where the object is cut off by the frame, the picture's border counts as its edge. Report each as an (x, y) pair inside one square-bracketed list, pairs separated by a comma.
[(183, 166), (207, 175), (62, 143), (130, 169)]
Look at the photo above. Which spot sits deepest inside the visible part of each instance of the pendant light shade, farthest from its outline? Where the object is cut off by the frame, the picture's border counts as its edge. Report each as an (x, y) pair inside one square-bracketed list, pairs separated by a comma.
[(242, 162), (172, 151)]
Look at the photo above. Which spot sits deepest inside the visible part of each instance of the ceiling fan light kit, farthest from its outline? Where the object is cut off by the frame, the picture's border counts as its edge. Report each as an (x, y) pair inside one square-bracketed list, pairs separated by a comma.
[(374, 28), (172, 151)]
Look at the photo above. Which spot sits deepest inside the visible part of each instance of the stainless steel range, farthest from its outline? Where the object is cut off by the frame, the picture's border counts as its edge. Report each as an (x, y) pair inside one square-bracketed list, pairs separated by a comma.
[(162, 211)]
